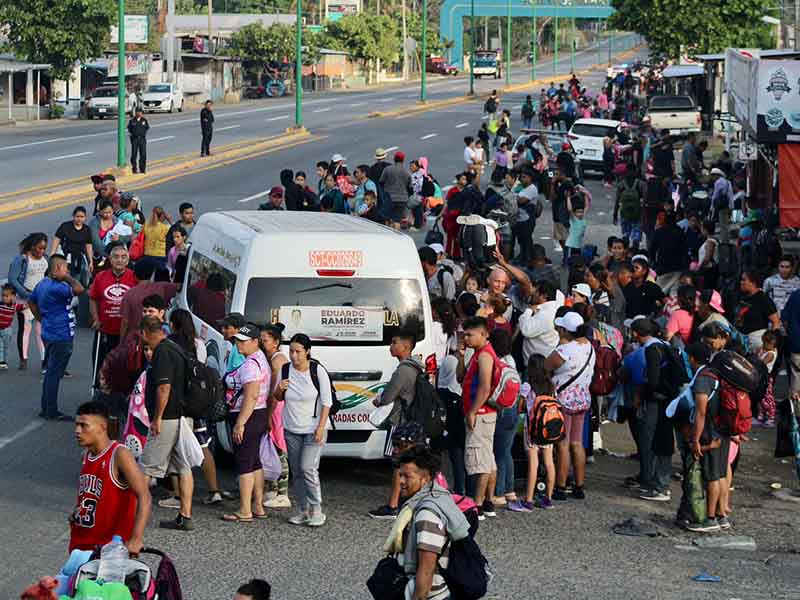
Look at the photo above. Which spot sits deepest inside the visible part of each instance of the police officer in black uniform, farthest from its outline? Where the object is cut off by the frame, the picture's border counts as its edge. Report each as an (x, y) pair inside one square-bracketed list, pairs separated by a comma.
[(207, 127), (137, 128)]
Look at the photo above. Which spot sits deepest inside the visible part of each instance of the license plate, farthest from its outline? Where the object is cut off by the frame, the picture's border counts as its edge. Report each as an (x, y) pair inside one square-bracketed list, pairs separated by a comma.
[(591, 152), (101, 110), (677, 131)]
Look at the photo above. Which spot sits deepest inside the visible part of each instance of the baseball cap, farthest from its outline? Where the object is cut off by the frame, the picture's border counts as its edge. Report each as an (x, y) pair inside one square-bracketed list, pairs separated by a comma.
[(399, 155), (338, 158), (97, 178), (566, 146), (716, 302), (276, 191), (380, 153), (248, 331), (717, 171), (570, 321), (629, 322), (583, 289), (438, 248), (233, 320)]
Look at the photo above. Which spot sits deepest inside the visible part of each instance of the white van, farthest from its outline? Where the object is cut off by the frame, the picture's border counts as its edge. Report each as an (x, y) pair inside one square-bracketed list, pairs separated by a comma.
[(346, 282), (586, 137)]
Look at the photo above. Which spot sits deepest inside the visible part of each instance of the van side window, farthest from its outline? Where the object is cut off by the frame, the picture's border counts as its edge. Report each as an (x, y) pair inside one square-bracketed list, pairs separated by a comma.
[(209, 289)]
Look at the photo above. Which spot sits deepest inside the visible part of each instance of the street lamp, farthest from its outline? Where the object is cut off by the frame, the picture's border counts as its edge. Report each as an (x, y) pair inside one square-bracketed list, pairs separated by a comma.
[(573, 42), (423, 92), (471, 47), (555, 43), (298, 68), (533, 43), (508, 42), (121, 95)]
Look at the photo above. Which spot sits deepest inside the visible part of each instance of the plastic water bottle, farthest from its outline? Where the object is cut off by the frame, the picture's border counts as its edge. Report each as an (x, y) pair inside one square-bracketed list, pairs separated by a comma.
[(113, 561)]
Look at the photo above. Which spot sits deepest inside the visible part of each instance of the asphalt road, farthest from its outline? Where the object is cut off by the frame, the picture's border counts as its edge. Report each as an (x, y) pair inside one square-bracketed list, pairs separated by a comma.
[(42, 153), (565, 553)]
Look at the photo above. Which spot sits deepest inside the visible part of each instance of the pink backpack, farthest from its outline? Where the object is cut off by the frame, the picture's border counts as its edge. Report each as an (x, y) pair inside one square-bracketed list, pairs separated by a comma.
[(134, 434)]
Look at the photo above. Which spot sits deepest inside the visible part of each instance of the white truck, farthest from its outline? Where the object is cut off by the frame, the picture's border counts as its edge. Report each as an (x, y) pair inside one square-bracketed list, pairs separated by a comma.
[(678, 114)]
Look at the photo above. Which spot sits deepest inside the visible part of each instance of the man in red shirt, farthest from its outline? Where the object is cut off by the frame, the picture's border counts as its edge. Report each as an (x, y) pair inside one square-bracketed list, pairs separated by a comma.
[(105, 304), (132, 303), (480, 418), (113, 495)]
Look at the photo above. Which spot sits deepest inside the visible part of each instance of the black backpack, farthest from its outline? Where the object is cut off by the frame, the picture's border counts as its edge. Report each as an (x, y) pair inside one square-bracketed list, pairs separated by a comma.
[(527, 111), (203, 386), (440, 274), (673, 371), (490, 106), (428, 409), (313, 371)]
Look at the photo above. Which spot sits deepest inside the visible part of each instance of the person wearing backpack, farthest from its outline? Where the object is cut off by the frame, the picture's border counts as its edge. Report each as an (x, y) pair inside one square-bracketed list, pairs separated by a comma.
[(490, 106), (400, 392), (308, 400), (544, 421), (527, 112), (628, 208)]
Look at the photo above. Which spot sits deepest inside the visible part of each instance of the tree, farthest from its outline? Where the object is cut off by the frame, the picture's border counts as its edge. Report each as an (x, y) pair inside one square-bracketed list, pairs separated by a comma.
[(257, 45), (58, 32), (673, 27), (368, 38)]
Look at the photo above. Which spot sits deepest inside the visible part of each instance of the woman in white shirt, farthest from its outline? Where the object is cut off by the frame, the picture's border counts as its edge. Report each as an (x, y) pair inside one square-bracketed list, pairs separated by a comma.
[(305, 415), (572, 365)]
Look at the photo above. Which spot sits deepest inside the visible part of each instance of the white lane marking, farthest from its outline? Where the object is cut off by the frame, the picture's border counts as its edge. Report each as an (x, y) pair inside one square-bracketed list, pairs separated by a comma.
[(391, 148), (228, 127), (460, 125), (544, 237), (70, 156), (358, 104), (278, 118), (321, 110), (161, 139), (388, 99), (254, 197), (32, 426), (484, 117), (429, 136)]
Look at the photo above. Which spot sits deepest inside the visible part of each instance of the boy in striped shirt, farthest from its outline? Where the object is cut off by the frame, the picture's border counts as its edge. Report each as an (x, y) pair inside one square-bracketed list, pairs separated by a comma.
[(8, 310)]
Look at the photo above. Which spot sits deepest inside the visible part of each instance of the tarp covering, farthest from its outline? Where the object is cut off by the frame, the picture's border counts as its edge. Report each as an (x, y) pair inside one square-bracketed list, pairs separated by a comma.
[(789, 184)]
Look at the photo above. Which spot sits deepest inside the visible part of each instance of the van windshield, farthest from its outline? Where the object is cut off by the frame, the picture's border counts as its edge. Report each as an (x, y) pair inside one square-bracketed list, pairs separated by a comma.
[(596, 131), (345, 311)]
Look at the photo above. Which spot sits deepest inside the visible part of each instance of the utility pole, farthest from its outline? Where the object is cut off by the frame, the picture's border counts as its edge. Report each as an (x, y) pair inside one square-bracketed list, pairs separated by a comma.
[(405, 46), (533, 43), (121, 91), (796, 21), (508, 42), (555, 44), (573, 43), (471, 47), (423, 93), (298, 68), (171, 41), (210, 32)]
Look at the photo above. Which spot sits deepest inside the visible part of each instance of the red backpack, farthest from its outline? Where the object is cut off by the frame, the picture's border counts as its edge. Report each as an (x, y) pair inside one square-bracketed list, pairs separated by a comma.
[(606, 370), (735, 411), (505, 386), (546, 421)]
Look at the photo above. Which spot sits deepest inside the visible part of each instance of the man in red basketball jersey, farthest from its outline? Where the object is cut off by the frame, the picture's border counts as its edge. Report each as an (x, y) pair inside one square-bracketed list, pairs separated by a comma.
[(113, 496)]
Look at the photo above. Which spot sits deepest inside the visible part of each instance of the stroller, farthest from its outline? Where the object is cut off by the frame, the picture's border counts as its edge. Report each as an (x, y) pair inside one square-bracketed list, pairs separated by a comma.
[(139, 578)]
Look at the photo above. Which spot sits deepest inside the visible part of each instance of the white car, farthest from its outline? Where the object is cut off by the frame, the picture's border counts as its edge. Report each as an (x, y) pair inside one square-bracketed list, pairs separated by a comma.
[(162, 97), (103, 102), (586, 137)]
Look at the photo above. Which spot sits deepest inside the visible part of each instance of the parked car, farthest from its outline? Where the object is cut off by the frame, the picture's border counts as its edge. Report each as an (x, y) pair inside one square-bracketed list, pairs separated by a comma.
[(586, 137), (162, 97), (678, 114), (103, 102), (437, 64)]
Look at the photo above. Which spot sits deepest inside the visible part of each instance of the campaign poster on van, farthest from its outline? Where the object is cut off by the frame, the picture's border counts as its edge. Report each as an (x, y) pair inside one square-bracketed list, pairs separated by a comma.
[(334, 323)]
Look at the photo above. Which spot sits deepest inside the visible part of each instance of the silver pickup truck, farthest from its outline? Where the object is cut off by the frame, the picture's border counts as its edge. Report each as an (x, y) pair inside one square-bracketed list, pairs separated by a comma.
[(678, 114)]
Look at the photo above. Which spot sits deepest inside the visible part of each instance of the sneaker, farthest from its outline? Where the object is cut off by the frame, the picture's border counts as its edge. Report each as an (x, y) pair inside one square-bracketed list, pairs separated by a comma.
[(281, 501), (384, 512), (544, 502), (67, 375), (481, 516), (559, 495), (173, 502), (578, 493), (631, 482), (317, 520), (179, 523), (590, 460), (488, 509), (3, 366), (300, 518), (655, 496), (23, 364), (520, 506), (212, 498), (723, 522), (707, 526)]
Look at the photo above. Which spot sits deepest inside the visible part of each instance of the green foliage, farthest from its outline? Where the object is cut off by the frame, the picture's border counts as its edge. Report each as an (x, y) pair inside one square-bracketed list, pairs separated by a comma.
[(697, 26), (56, 111), (366, 37), (58, 32), (257, 45)]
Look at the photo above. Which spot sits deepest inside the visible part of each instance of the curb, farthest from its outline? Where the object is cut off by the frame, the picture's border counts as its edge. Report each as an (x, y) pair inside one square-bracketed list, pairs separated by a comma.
[(177, 166)]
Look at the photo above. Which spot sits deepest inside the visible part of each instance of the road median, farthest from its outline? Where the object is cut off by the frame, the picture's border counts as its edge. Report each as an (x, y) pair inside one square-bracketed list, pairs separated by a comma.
[(44, 198)]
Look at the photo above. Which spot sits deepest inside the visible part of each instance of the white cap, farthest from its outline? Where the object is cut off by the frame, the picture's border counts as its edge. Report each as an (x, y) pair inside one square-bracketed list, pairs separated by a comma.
[(717, 171), (438, 248), (338, 158), (629, 322), (583, 289), (570, 321)]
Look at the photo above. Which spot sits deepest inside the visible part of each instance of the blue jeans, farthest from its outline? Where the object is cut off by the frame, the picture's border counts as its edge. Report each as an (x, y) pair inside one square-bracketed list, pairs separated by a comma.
[(632, 230), (303, 454), (5, 344), (459, 483), (417, 212), (504, 433), (58, 354), (526, 123), (655, 471)]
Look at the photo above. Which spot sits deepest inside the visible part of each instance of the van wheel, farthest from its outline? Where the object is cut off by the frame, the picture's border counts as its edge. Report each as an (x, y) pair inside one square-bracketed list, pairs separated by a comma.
[(171, 107), (180, 108)]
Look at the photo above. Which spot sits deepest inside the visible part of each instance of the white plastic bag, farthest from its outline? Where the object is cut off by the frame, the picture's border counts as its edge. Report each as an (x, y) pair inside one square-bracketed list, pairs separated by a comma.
[(270, 461), (377, 417), (189, 446)]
